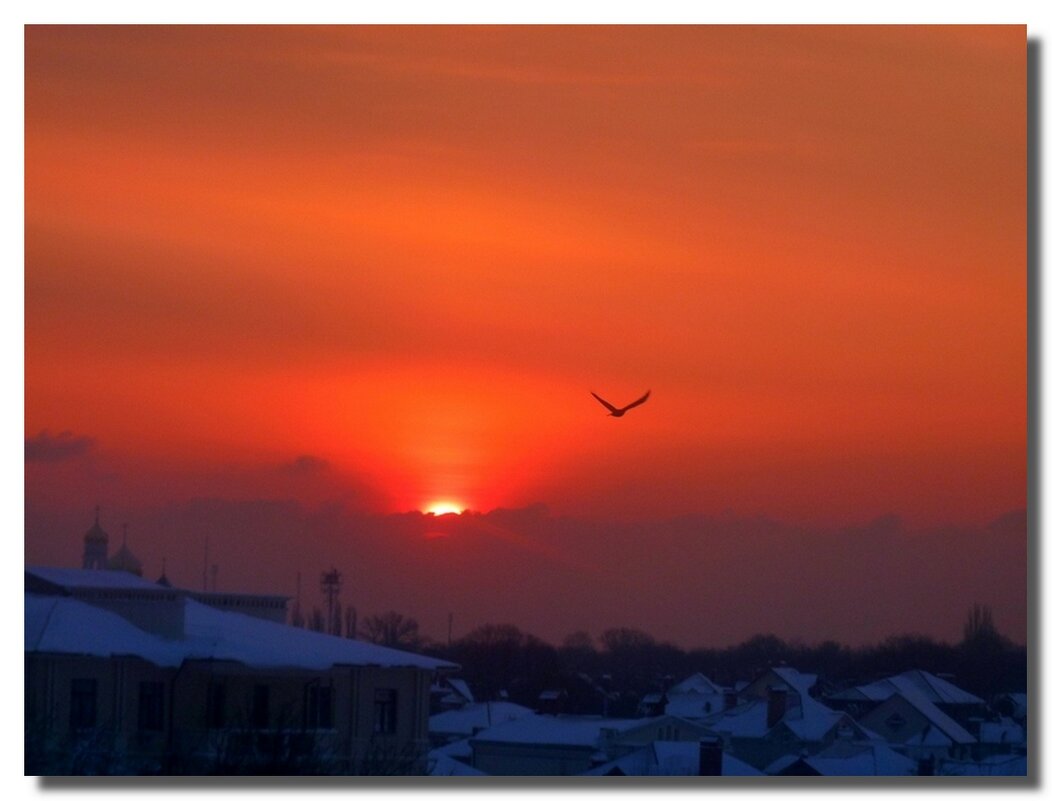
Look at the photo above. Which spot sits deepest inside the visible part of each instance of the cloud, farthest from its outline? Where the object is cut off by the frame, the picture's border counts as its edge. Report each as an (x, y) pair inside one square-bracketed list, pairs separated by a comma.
[(66, 445), (305, 466)]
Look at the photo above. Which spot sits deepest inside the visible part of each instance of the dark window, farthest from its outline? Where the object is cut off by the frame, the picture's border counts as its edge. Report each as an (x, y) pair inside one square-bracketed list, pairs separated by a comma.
[(215, 706), (319, 707), (384, 711), (151, 706), (260, 706), (83, 703)]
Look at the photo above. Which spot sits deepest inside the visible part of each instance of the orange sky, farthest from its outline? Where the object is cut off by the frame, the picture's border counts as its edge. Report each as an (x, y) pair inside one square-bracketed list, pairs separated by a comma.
[(410, 253)]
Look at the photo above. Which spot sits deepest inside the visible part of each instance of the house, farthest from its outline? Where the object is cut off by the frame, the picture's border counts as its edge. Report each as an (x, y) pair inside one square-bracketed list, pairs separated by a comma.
[(449, 693), (912, 723), (958, 703), (469, 720), (697, 696), (127, 676), (775, 715), (568, 745)]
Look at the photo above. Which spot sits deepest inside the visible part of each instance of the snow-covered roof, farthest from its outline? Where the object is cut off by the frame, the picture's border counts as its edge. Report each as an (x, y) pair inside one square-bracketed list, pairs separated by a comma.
[(462, 688), (932, 687), (697, 683), (913, 695), (58, 624), (74, 579), (809, 719), (475, 717), (566, 730)]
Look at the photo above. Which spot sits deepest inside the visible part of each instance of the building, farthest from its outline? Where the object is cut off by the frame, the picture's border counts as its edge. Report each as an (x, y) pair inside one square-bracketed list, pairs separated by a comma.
[(569, 745), (775, 715), (127, 676)]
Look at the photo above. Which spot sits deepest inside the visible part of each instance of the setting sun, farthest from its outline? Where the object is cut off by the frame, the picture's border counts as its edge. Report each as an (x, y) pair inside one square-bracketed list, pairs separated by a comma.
[(444, 508)]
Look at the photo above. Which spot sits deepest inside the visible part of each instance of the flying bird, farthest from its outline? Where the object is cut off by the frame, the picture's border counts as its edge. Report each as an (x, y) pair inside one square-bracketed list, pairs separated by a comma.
[(614, 411)]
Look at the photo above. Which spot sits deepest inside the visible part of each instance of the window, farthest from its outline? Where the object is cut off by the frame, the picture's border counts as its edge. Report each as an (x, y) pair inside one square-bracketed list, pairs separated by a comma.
[(319, 707), (151, 706), (384, 711), (260, 706), (215, 706), (83, 696)]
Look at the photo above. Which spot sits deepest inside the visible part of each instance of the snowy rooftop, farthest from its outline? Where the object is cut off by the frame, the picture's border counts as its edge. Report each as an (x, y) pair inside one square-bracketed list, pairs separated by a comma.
[(699, 683), (75, 579), (475, 717), (920, 701), (57, 624), (932, 687)]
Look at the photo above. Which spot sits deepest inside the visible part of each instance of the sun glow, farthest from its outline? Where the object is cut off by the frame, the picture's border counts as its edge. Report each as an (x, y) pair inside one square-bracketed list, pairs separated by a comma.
[(444, 508)]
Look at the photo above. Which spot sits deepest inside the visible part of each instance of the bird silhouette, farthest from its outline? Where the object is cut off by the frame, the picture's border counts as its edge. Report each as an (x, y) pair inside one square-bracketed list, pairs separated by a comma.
[(614, 411)]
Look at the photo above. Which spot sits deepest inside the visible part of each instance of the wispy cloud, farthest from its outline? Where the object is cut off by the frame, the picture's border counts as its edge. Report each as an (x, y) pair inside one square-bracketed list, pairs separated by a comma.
[(58, 448)]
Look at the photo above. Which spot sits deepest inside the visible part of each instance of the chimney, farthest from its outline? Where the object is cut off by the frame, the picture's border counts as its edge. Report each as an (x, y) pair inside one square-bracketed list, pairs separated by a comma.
[(710, 756), (776, 700), (730, 698)]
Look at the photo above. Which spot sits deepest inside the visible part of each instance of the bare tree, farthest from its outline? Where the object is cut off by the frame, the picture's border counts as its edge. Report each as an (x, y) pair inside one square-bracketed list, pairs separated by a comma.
[(392, 629)]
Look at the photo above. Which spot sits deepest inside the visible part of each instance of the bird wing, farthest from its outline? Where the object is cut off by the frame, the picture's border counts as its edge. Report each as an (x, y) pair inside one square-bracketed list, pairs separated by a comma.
[(637, 402), (609, 406)]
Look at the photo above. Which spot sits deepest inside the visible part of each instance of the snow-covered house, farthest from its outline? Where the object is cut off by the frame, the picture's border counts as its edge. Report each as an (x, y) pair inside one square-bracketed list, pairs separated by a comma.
[(469, 720), (448, 692), (129, 676), (958, 703), (568, 745), (775, 715), (697, 696), (912, 723)]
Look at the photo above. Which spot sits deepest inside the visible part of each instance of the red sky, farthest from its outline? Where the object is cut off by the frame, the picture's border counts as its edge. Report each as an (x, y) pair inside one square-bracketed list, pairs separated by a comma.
[(410, 253)]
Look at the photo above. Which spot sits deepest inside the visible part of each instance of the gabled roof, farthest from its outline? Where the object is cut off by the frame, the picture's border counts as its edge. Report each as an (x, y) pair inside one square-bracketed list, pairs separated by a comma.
[(698, 683), (476, 717), (59, 624), (935, 689), (808, 720), (909, 692)]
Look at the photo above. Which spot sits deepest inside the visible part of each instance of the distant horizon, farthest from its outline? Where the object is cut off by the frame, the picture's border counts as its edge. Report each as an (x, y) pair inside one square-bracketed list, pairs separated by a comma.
[(180, 571)]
